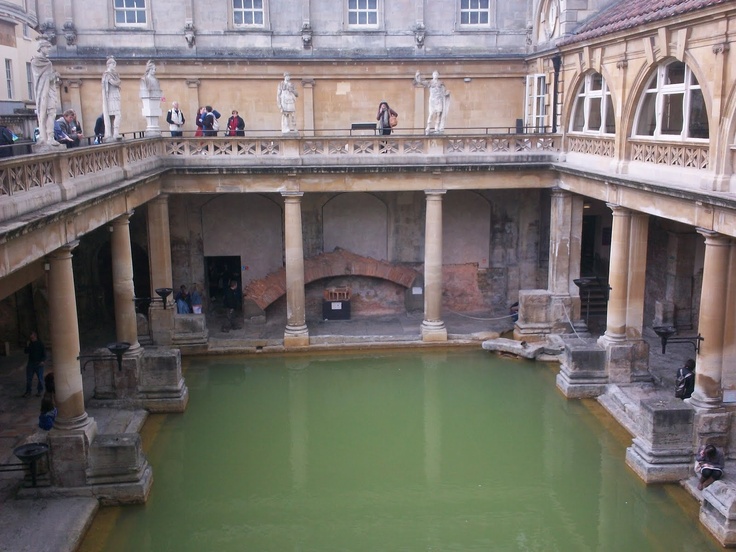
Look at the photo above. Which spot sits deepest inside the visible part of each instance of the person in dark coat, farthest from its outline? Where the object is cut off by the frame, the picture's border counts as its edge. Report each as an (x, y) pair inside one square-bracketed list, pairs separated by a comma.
[(100, 129), (235, 125), (36, 358), (231, 302)]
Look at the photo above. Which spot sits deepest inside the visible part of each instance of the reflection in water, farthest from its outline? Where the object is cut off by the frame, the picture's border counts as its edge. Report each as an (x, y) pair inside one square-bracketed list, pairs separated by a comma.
[(456, 450)]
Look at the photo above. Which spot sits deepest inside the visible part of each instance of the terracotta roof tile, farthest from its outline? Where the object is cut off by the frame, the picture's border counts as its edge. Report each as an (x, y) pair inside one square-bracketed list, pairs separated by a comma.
[(627, 14)]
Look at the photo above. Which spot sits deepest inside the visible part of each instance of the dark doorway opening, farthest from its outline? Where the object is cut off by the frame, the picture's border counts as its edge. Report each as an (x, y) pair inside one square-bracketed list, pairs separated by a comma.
[(220, 270), (588, 262)]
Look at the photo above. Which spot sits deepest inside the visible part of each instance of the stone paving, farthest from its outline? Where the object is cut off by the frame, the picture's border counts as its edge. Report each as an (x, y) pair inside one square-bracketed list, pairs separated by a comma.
[(57, 525)]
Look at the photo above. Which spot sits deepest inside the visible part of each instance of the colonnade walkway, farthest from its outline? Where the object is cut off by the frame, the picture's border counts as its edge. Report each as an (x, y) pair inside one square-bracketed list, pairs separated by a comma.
[(59, 524)]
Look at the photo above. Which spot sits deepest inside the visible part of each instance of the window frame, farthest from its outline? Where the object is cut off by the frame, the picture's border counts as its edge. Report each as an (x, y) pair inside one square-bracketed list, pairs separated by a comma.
[(660, 90), (535, 108), (9, 78), (246, 26), (490, 11), (145, 9), (368, 26), (29, 78), (587, 94)]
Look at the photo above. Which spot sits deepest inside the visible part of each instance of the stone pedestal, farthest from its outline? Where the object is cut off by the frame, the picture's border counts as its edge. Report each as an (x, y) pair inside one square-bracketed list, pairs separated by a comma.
[(69, 451), (583, 370), (718, 512), (151, 380), (627, 362), (152, 112), (662, 452), (190, 333), (542, 313), (161, 324)]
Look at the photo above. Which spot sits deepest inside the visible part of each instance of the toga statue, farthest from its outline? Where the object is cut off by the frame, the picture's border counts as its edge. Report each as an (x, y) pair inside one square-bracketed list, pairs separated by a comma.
[(111, 100), (45, 87), (151, 98), (286, 99), (439, 102), (150, 86)]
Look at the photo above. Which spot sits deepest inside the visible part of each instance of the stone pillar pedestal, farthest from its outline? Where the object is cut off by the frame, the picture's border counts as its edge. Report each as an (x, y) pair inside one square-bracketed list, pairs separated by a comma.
[(663, 450), (718, 512), (541, 313), (152, 113), (627, 362), (150, 379), (583, 370), (69, 453), (433, 328), (296, 333)]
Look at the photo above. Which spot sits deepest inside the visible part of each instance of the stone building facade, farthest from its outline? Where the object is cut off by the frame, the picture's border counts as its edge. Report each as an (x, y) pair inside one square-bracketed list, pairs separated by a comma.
[(583, 139)]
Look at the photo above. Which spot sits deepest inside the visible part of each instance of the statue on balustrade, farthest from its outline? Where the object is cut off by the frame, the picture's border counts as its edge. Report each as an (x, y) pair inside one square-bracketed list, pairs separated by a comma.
[(111, 100), (150, 92), (46, 90), (286, 99), (439, 102)]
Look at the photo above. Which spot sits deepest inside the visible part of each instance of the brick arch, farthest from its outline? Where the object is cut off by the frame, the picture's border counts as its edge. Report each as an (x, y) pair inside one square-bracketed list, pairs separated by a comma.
[(340, 262)]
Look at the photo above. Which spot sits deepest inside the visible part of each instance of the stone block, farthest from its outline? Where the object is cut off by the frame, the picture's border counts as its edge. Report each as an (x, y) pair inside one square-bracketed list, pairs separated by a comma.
[(115, 458), (628, 361), (583, 371), (69, 451), (534, 306), (161, 370), (161, 324), (718, 512), (713, 427)]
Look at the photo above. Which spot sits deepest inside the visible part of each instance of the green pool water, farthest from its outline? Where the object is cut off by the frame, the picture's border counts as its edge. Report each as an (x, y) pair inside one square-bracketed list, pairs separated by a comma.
[(391, 451)]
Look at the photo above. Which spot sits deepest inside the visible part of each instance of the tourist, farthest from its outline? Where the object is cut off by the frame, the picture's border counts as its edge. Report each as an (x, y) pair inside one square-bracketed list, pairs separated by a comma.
[(48, 404), (100, 129), (685, 380), (196, 299), (210, 126), (175, 118), (199, 121), (235, 125), (183, 301), (709, 464), (36, 357), (65, 130), (6, 142), (231, 302), (385, 113)]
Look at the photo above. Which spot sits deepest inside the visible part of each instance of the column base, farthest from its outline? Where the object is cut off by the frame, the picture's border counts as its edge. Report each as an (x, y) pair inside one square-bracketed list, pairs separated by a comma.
[(161, 323), (582, 371), (296, 336), (69, 449), (700, 402), (433, 330), (652, 466)]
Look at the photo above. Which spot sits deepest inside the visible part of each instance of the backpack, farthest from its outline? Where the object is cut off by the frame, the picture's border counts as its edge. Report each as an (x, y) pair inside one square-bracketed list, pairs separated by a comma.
[(215, 123), (681, 383)]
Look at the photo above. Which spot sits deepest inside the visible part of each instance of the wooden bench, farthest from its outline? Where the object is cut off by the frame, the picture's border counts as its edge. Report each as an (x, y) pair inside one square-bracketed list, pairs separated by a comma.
[(363, 126)]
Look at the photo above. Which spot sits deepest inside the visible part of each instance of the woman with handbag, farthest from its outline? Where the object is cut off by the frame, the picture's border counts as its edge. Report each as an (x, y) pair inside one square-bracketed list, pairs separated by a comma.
[(387, 118)]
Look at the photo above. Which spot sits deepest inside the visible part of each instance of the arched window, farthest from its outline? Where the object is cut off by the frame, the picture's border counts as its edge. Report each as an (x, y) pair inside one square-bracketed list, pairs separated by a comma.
[(672, 106), (593, 109)]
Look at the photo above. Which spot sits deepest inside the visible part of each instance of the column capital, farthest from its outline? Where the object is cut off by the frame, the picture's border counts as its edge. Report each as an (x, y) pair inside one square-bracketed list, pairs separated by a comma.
[(308, 83), (65, 251), (556, 191), (294, 197), (714, 238), (437, 194), (192, 83), (122, 220), (618, 209), (160, 198)]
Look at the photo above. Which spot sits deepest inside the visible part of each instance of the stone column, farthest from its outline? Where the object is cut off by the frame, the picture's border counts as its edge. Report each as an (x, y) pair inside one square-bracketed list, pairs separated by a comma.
[(637, 275), (126, 328), (73, 431), (433, 328), (728, 378), (65, 340), (308, 86), (566, 226), (296, 333), (709, 362), (618, 276), (160, 319), (190, 104)]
